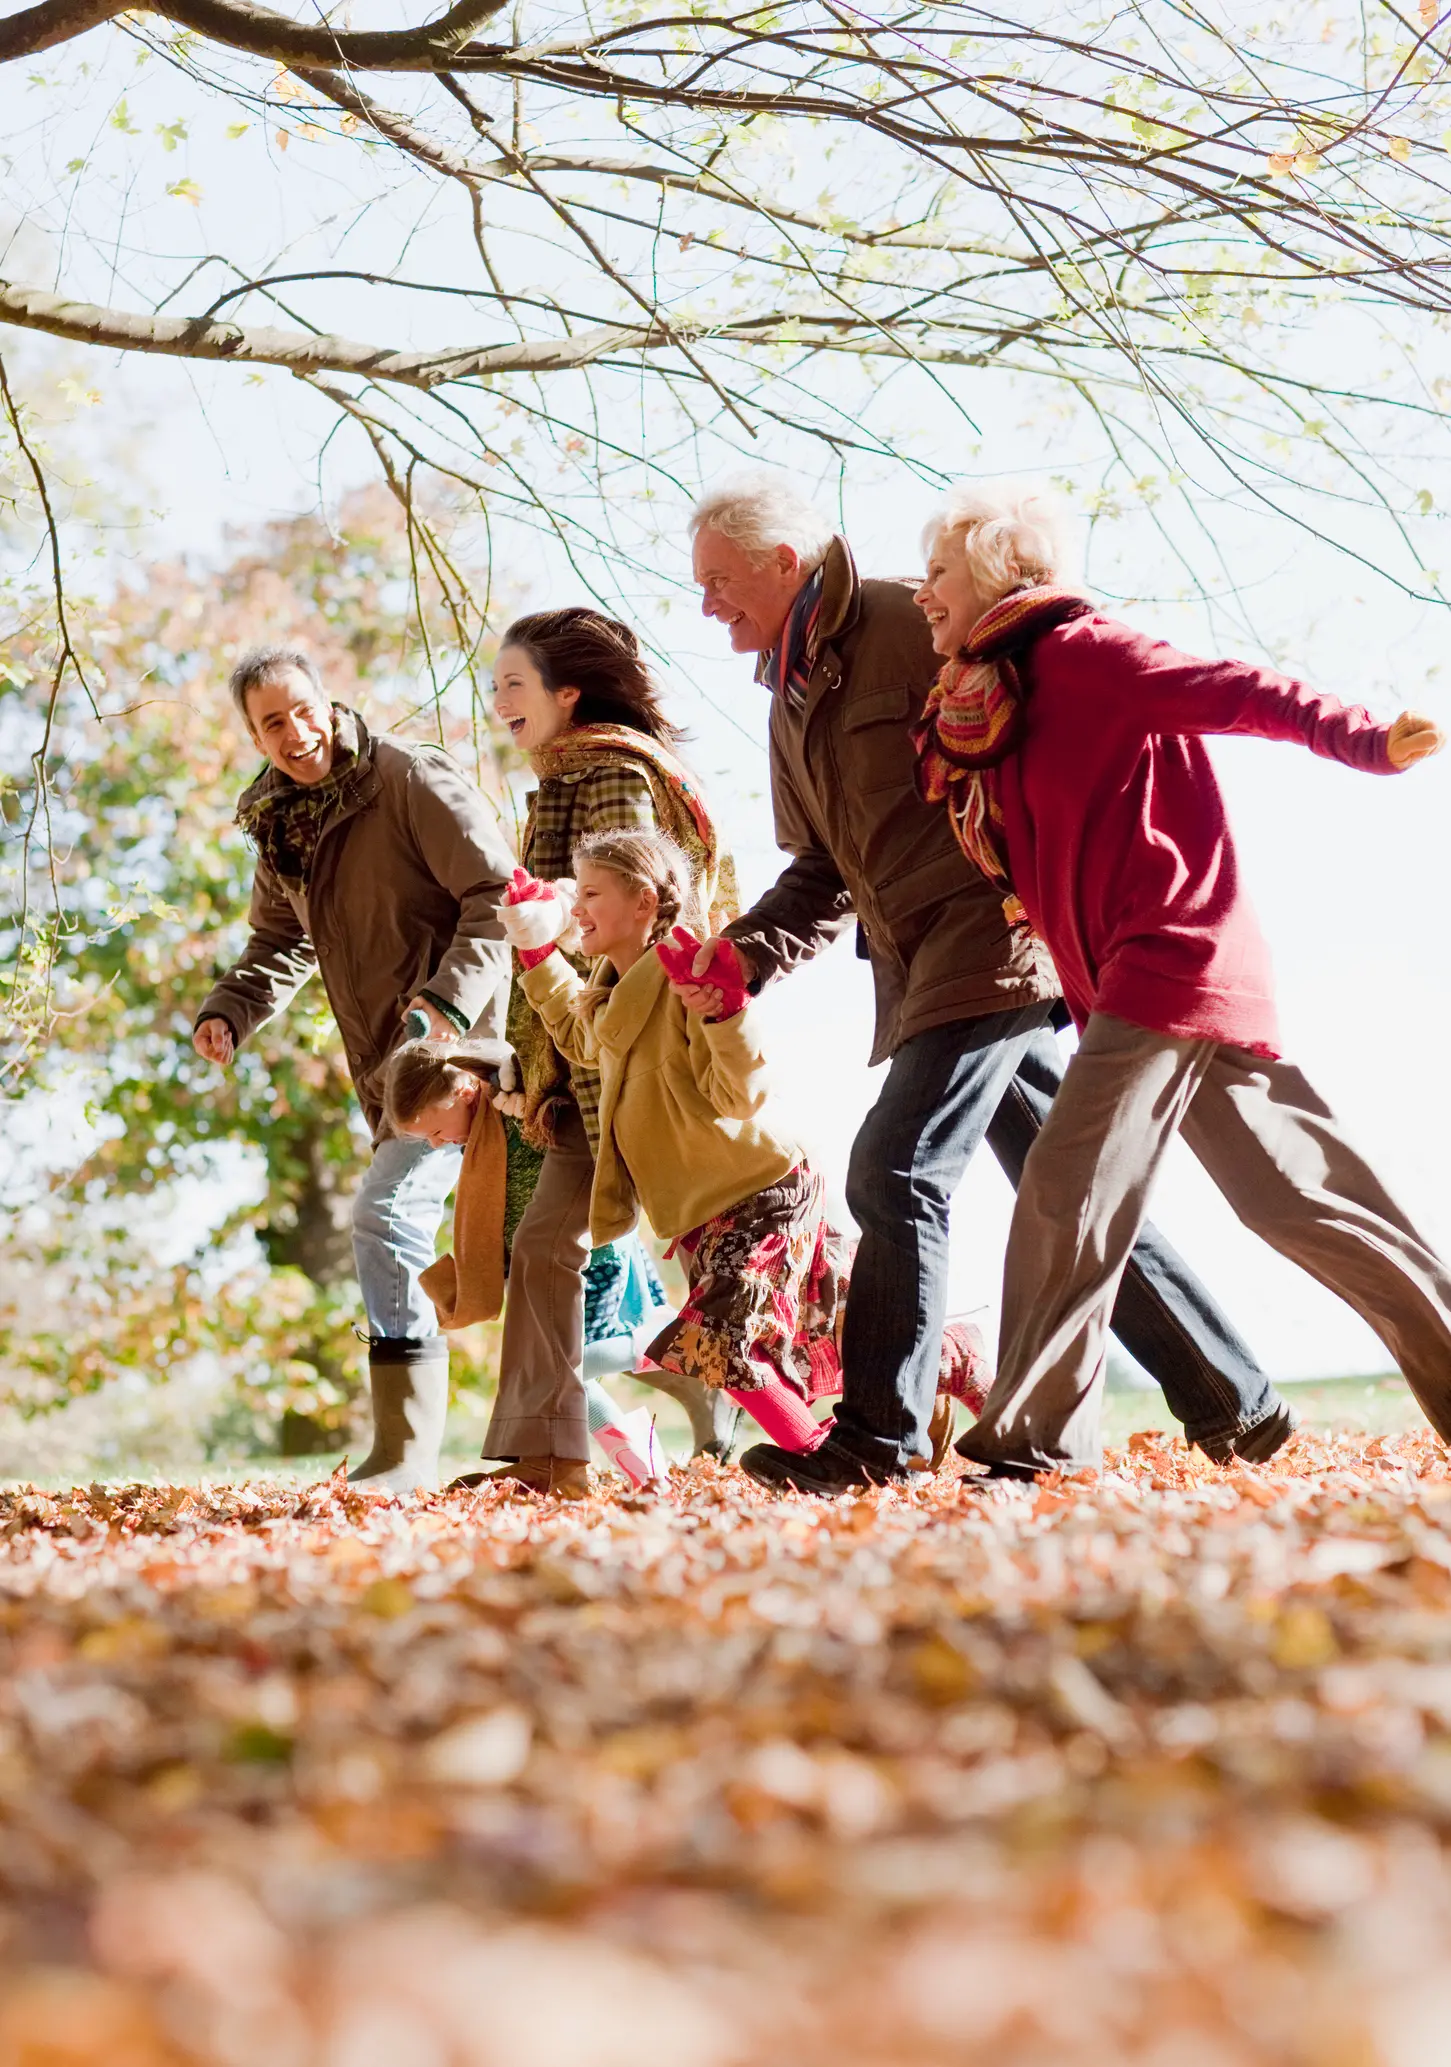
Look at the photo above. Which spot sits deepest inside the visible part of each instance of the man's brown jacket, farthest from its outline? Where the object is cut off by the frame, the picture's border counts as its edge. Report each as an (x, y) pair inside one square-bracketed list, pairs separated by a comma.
[(843, 784), (403, 896)]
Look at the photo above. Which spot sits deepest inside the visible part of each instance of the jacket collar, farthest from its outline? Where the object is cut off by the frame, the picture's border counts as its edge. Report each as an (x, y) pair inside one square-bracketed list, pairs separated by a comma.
[(841, 593), (620, 1022), (841, 602)]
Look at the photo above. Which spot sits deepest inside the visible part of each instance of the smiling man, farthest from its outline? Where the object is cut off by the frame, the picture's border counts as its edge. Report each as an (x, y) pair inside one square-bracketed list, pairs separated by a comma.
[(380, 865), (965, 1006)]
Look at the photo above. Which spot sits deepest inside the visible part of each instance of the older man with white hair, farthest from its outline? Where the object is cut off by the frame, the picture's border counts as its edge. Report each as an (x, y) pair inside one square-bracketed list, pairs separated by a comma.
[(965, 1004)]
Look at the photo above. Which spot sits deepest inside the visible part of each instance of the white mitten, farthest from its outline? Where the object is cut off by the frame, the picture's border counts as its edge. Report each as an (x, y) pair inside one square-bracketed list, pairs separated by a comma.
[(566, 890), (536, 924)]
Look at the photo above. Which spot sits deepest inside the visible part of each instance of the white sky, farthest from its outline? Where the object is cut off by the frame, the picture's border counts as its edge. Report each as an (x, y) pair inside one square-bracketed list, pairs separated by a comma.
[(1348, 872)]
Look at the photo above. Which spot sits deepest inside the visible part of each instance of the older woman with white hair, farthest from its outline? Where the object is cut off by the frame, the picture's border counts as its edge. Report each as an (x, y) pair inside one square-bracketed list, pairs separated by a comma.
[(964, 1003), (1069, 753)]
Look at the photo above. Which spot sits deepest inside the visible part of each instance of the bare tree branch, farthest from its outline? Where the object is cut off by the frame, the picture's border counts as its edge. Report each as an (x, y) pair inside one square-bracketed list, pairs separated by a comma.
[(54, 21), (178, 337), (263, 33)]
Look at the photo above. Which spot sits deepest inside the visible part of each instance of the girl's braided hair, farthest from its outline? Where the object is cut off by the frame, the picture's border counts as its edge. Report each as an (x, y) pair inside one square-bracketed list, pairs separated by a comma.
[(651, 861)]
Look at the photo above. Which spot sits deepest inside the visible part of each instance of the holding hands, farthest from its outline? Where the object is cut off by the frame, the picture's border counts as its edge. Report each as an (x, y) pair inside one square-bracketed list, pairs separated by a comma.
[(535, 915), (709, 977)]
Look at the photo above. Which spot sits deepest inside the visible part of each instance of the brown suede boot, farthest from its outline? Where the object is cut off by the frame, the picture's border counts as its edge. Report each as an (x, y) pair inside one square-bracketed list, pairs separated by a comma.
[(532, 1473), (568, 1479), (562, 1477)]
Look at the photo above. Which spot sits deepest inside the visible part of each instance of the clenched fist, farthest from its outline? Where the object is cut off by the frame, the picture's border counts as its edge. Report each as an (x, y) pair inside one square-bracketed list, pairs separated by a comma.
[(213, 1042), (1413, 738)]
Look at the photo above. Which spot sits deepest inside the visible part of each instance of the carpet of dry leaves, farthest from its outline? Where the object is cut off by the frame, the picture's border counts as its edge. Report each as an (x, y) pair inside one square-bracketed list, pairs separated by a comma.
[(1154, 1769)]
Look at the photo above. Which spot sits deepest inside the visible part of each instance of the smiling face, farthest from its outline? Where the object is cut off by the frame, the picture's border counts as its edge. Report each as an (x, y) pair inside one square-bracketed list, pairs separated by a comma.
[(949, 597), (533, 713), (614, 915), (446, 1123), (292, 723), (751, 599)]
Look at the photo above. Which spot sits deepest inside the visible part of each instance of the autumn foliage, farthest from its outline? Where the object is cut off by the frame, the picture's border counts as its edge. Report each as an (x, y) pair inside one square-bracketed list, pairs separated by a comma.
[(1123, 1773), (147, 878)]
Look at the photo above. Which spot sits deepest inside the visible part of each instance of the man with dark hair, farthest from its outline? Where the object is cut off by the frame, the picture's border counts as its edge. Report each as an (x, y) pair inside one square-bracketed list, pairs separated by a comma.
[(380, 865), (964, 1006)]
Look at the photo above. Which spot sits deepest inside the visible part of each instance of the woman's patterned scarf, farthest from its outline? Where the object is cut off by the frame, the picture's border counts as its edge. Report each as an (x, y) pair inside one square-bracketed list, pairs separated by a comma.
[(974, 719), (284, 819), (682, 814), (680, 809)]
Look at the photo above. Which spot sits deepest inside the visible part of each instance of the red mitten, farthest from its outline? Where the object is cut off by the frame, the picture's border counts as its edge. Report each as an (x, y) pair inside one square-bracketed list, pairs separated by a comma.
[(526, 889), (725, 973)]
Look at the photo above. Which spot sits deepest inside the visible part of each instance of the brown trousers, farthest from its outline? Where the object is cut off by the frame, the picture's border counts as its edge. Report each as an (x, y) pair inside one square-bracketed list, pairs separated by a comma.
[(1277, 1153), (540, 1408)]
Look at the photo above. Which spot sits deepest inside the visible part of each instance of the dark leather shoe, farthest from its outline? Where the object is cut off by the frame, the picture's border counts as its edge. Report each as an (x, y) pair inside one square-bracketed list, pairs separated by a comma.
[(825, 1470), (1254, 1445), (995, 1467)]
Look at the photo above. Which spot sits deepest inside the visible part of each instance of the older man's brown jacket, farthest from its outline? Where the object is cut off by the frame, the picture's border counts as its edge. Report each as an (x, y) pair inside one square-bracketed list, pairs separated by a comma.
[(843, 784), (403, 896)]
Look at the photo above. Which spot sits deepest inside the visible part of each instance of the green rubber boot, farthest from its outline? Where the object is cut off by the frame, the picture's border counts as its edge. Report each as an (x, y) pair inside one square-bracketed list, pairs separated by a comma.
[(409, 1382)]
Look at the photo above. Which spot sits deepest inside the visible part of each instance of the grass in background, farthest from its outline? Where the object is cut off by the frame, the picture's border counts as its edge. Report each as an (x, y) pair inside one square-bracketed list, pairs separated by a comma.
[(1371, 1406)]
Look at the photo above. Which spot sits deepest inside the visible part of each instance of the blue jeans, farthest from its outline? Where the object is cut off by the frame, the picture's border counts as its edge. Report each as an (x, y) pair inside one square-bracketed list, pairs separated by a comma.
[(397, 1213), (945, 1091)]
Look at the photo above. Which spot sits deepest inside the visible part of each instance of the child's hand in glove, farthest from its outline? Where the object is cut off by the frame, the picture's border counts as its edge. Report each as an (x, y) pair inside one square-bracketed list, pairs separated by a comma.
[(535, 915), (508, 1096), (719, 990)]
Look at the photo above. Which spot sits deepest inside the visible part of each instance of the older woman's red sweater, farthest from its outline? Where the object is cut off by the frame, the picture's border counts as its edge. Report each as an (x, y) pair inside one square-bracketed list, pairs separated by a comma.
[(1117, 836)]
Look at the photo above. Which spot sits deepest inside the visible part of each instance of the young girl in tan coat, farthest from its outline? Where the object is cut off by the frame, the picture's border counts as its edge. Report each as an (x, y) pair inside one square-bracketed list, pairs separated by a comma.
[(685, 1134)]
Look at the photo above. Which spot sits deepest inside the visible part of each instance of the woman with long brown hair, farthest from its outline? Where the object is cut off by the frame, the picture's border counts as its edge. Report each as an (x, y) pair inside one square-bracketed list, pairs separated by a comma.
[(577, 697)]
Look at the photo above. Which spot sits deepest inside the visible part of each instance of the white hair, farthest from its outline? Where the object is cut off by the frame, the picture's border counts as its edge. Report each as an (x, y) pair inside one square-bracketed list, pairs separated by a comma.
[(1010, 537), (760, 511)]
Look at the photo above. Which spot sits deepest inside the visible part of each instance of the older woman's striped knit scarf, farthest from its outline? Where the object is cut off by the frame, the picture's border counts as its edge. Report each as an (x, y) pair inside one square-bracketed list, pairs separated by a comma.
[(974, 719)]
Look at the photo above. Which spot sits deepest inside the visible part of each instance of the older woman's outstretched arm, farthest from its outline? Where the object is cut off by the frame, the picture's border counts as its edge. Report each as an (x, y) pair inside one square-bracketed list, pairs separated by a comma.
[(1151, 686)]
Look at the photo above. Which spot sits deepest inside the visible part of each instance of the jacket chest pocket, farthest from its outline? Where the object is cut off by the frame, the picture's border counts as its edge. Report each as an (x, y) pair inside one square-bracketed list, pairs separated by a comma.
[(876, 743)]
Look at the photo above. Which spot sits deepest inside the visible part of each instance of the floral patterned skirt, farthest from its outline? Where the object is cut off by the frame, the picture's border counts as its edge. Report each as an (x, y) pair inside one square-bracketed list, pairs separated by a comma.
[(962, 1370), (767, 1292)]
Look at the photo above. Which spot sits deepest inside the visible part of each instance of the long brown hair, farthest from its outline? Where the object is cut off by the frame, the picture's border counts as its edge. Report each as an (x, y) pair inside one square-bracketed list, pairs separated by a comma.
[(583, 649)]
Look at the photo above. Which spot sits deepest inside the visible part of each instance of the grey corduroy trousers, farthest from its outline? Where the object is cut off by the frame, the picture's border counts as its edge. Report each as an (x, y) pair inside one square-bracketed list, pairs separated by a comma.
[(1276, 1152)]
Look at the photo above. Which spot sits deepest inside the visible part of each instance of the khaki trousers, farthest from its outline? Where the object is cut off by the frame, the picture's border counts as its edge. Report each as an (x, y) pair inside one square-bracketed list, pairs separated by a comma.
[(540, 1408), (1276, 1152)]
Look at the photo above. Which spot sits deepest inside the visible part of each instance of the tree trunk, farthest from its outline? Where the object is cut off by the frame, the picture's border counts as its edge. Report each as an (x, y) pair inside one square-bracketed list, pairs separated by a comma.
[(319, 1241)]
